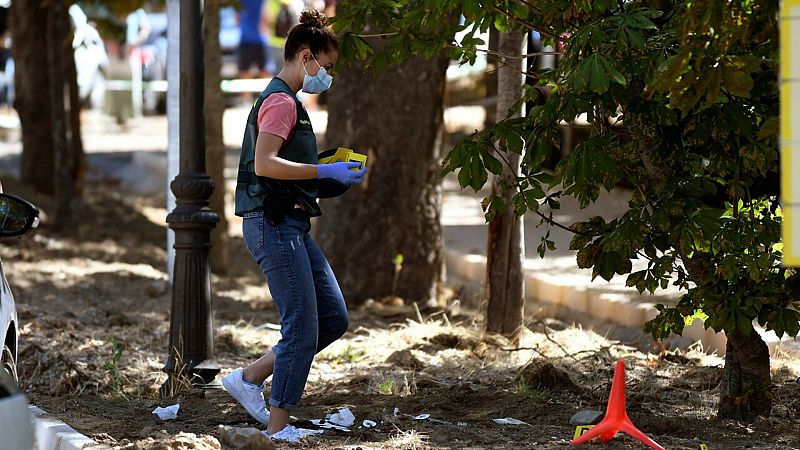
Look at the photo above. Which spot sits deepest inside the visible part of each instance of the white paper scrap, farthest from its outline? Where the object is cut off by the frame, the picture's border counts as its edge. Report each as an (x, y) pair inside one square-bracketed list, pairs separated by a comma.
[(170, 412), (343, 418), (291, 434), (368, 423), (396, 411), (509, 421), (422, 416)]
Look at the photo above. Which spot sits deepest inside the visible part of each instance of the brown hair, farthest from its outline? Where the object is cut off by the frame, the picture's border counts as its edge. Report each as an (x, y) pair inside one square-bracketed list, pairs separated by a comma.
[(312, 32)]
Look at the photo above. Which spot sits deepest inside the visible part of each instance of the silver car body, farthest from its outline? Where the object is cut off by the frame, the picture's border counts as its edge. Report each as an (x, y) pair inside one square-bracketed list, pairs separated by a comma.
[(9, 332)]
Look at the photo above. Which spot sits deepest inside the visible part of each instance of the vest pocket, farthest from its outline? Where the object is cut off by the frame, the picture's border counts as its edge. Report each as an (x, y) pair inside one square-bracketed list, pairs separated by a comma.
[(256, 190)]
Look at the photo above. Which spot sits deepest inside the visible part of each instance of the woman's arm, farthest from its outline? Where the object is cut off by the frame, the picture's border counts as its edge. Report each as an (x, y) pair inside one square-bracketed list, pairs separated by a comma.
[(268, 164)]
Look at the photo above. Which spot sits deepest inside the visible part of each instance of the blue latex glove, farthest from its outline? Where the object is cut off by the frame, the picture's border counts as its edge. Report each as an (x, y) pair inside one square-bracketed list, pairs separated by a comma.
[(342, 172)]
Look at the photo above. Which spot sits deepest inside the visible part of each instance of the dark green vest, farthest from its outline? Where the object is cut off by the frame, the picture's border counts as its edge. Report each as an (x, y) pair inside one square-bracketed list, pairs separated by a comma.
[(255, 193)]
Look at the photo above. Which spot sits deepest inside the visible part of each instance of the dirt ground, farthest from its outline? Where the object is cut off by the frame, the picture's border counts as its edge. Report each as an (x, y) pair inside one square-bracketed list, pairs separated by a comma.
[(93, 306)]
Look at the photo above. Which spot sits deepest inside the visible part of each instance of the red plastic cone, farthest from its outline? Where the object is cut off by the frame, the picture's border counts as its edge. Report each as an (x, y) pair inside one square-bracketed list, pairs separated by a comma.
[(616, 418)]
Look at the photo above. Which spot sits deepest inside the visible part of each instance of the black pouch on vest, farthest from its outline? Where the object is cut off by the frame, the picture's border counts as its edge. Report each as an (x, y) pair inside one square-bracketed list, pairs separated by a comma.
[(280, 199)]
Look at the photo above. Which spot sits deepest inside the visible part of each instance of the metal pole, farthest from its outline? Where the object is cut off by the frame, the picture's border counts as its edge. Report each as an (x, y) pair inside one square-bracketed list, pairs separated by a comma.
[(173, 116), (191, 343)]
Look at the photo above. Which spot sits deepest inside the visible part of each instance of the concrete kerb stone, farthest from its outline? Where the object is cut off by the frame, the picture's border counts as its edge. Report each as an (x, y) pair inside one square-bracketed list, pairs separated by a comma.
[(469, 267), (546, 288), (53, 434), (577, 299), (603, 305)]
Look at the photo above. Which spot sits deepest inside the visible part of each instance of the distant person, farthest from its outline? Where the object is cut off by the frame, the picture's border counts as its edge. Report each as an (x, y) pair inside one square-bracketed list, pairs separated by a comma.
[(137, 29), (253, 44), (137, 32), (276, 194), (284, 15)]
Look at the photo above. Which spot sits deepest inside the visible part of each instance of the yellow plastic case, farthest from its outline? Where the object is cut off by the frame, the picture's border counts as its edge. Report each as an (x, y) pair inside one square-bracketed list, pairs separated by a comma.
[(345, 155)]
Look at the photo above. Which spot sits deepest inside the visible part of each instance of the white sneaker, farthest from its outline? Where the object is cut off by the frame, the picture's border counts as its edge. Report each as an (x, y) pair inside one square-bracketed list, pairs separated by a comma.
[(249, 395)]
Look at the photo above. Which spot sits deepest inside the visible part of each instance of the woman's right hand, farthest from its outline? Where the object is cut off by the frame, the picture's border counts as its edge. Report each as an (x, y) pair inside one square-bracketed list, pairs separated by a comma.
[(342, 172)]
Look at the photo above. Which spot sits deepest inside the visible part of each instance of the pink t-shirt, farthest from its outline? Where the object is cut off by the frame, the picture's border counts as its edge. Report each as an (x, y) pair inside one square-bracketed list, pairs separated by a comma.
[(277, 115)]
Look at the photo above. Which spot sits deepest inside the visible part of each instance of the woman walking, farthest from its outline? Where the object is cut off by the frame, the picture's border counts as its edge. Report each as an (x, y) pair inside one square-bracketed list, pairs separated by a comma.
[(276, 195)]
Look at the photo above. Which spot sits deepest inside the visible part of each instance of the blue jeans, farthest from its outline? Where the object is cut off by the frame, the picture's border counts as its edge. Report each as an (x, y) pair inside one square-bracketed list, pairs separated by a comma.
[(306, 294)]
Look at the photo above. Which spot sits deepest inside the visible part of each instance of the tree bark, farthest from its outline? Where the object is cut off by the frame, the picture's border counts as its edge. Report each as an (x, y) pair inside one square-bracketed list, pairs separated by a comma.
[(65, 119), (490, 78), (744, 391), (48, 104), (396, 118), (504, 283), (215, 148), (27, 19)]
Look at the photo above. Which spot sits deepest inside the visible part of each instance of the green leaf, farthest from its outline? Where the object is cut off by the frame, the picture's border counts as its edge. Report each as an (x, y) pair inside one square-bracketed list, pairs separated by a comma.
[(769, 128), (737, 83), (744, 324), (635, 279), (492, 206), (612, 72), (492, 164)]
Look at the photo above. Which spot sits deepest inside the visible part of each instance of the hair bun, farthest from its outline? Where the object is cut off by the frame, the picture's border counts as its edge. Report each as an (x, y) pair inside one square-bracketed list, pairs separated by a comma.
[(313, 18)]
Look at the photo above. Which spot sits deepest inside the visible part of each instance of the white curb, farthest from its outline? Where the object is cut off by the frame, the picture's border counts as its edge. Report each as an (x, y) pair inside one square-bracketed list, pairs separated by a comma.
[(53, 434)]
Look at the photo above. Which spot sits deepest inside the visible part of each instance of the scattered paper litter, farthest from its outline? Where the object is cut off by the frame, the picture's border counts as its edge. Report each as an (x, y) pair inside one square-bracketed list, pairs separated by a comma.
[(291, 434), (170, 412), (343, 418), (368, 423), (396, 411), (461, 424), (509, 421), (422, 416)]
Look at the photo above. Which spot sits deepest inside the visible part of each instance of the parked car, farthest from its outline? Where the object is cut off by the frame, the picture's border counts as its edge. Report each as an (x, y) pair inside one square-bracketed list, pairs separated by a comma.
[(154, 53), (17, 217)]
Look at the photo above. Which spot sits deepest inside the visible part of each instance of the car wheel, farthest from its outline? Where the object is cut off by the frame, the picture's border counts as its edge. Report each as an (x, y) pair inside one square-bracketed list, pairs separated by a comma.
[(8, 362)]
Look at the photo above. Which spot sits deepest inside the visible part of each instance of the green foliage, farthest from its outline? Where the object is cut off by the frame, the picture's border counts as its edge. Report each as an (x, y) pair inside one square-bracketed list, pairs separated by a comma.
[(347, 356), (532, 392), (112, 367), (682, 100), (386, 387)]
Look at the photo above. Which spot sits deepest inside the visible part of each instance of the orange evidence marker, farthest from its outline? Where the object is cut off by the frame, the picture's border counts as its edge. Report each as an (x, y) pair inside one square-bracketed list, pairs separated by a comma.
[(616, 418)]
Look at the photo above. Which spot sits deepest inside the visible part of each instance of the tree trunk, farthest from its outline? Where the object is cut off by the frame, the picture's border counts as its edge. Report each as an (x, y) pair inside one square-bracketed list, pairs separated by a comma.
[(504, 283), (490, 78), (27, 20), (215, 148), (48, 104), (65, 119), (395, 118), (744, 390)]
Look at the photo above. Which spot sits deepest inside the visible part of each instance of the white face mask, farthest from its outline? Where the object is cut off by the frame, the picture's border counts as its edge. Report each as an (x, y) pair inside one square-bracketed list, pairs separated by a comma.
[(317, 83)]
